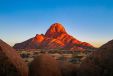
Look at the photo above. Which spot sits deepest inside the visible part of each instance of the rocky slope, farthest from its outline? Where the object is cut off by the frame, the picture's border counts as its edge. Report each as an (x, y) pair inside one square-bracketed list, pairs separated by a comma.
[(11, 64), (45, 65), (56, 37), (99, 63)]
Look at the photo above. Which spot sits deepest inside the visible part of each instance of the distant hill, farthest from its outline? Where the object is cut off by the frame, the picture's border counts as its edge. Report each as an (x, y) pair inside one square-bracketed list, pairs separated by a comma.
[(56, 37)]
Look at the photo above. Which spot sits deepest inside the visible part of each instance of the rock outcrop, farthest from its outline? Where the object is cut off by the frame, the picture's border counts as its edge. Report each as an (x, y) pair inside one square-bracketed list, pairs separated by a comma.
[(56, 37), (44, 65), (99, 63), (11, 64), (55, 30), (68, 69)]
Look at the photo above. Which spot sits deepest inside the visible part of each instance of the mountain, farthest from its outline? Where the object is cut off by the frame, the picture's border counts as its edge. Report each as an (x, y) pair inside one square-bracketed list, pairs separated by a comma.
[(56, 37), (99, 63), (11, 64)]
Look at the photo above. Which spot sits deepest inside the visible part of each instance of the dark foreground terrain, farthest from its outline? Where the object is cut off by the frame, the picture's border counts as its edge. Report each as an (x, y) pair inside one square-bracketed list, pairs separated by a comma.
[(99, 63)]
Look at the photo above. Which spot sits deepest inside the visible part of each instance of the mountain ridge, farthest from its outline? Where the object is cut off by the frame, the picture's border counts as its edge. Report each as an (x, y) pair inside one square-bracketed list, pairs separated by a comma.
[(55, 37)]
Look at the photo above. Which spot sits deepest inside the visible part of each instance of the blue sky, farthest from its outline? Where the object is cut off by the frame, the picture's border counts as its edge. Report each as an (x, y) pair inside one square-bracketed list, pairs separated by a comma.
[(86, 20)]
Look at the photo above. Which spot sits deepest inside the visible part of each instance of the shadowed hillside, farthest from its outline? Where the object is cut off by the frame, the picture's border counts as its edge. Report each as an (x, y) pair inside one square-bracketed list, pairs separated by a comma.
[(44, 65), (11, 64), (99, 63)]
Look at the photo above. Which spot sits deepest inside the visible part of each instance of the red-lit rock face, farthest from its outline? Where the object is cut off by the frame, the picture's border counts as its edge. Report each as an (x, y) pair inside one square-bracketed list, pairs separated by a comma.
[(58, 32), (86, 44), (55, 30), (55, 37), (38, 38), (51, 43)]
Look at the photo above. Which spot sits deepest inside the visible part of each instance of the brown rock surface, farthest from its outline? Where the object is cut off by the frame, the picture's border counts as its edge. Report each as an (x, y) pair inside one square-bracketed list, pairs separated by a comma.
[(68, 69), (44, 65), (11, 64), (99, 63)]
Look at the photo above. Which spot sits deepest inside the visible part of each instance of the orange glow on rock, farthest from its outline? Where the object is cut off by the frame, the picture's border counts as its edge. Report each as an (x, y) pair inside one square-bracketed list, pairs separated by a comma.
[(57, 37)]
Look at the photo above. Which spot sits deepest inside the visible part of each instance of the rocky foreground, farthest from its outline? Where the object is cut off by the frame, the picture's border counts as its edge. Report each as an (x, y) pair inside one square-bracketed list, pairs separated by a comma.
[(99, 63), (11, 64)]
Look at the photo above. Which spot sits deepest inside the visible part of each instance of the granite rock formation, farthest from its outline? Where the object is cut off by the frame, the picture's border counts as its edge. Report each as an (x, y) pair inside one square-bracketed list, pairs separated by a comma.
[(56, 37), (44, 65), (11, 64), (99, 63)]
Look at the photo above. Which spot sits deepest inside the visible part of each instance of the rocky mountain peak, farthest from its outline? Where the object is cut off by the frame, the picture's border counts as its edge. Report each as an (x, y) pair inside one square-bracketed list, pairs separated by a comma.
[(55, 29), (55, 37)]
